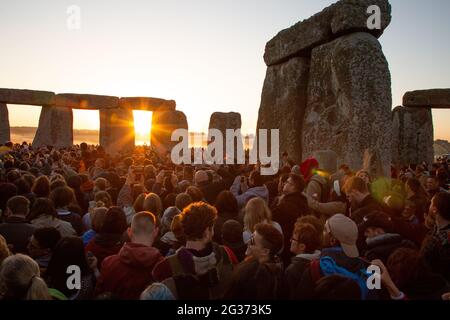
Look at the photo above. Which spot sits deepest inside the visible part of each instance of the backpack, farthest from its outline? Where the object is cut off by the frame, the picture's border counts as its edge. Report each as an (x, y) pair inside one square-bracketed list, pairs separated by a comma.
[(209, 286), (325, 190), (326, 266)]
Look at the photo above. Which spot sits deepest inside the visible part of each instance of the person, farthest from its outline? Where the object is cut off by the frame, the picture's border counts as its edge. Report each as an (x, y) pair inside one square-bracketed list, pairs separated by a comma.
[(227, 209), (306, 245), (157, 291), (436, 250), (101, 199), (109, 239), (4, 250), (69, 251), (41, 246), (362, 203), (316, 186), (97, 219), (336, 287), (260, 276), (432, 186), (257, 211), (126, 274), (292, 206), (244, 191), (417, 194), (20, 279), (16, 229), (43, 215), (41, 187), (380, 241), (407, 276), (231, 236), (364, 174), (200, 269), (62, 197), (340, 255), (209, 188)]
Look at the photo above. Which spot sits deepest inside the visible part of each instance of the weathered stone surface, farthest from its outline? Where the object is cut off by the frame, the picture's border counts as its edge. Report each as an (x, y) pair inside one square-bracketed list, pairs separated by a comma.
[(433, 98), (412, 135), (327, 160), (223, 121), (147, 104), (372, 163), (349, 101), (5, 133), (55, 128), (27, 97), (86, 101), (163, 124), (283, 103), (345, 16), (116, 130)]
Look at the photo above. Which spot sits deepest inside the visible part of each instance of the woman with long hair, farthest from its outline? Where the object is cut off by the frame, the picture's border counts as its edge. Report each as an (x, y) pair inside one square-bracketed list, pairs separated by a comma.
[(257, 211)]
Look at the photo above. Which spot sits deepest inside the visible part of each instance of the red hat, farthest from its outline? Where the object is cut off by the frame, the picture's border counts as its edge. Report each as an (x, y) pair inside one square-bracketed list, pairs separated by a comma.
[(307, 166)]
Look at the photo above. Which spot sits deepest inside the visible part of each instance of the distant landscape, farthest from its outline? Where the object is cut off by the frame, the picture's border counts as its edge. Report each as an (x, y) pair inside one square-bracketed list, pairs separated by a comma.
[(21, 134)]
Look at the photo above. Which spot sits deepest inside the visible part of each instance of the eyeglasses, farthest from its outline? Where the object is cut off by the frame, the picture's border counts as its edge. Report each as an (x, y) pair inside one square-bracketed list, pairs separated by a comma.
[(294, 240)]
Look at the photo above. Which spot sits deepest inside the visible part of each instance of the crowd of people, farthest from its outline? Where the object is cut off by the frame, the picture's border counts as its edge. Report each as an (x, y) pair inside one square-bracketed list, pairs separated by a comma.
[(135, 226)]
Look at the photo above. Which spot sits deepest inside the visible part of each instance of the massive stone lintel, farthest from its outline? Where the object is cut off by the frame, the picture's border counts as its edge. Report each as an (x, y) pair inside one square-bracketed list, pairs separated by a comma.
[(349, 101), (412, 135), (27, 97), (86, 101), (55, 128), (5, 133), (116, 130), (433, 98), (283, 104), (147, 104), (345, 16), (163, 124)]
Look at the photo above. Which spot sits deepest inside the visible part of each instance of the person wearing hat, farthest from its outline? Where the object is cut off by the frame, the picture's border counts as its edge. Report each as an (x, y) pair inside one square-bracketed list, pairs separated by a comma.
[(381, 242), (340, 256)]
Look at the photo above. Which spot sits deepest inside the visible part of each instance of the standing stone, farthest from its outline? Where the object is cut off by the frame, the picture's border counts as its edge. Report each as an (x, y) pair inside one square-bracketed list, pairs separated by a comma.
[(5, 134), (116, 130), (432, 98), (327, 160), (349, 101), (222, 122), (55, 128), (163, 124), (283, 104), (413, 135)]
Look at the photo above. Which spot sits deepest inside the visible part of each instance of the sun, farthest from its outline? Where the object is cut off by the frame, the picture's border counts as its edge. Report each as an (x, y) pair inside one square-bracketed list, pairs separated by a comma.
[(142, 123)]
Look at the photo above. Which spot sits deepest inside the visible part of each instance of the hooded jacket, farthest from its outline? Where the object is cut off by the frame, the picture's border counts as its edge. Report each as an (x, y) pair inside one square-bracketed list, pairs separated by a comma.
[(126, 274)]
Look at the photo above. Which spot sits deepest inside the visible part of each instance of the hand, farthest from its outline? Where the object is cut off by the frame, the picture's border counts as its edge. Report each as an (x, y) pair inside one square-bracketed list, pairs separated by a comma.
[(130, 177), (244, 185), (160, 177), (386, 279), (446, 296), (174, 180)]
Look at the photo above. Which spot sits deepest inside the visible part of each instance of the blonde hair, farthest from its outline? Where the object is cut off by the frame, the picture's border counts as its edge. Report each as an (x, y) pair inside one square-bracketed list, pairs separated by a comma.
[(20, 279), (152, 203), (256, 211), (4, 250)]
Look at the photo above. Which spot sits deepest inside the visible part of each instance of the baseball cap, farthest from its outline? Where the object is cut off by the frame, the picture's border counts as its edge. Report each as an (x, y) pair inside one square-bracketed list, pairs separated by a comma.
[(345, 231)]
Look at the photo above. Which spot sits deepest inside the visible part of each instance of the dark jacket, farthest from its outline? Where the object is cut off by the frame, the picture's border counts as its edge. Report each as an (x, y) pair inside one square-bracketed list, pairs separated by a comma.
[(126, 274), (103, 245), (421, 204), (293, 273), (286, 213), (211, 190), (382, 246), (221, 219), (436, 251), (188, 267), (368, 205), (253, 280), (74, 219), (17, 233)]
